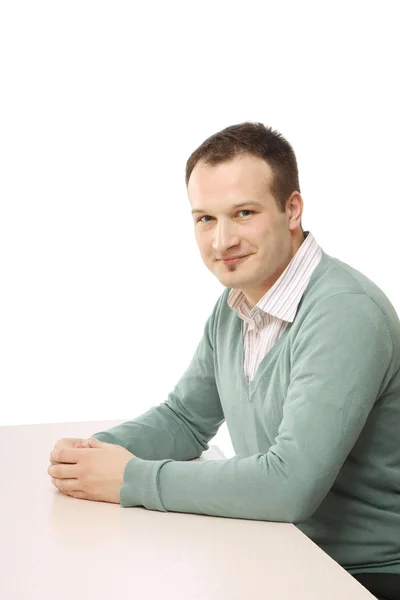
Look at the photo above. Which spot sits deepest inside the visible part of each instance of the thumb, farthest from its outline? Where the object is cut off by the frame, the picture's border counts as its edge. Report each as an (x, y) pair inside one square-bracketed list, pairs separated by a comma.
[(82, 444), (93, 443)]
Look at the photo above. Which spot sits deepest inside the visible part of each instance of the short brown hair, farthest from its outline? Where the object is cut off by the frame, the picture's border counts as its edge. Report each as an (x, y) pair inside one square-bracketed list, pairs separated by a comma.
[(256, 139)]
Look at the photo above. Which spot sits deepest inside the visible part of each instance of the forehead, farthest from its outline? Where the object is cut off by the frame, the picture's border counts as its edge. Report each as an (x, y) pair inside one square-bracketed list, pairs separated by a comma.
[(244, 174)]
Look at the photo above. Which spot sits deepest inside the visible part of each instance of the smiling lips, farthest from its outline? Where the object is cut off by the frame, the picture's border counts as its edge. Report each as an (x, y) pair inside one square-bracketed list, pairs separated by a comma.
[(233, 260)]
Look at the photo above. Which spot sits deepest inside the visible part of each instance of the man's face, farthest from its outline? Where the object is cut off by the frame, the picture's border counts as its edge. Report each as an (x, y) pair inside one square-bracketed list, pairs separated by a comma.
[(268, 238)]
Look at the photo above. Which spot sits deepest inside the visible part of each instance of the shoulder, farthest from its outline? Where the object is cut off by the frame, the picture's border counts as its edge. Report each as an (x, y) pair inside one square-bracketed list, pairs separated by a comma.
[(345, 305), (339, 286)]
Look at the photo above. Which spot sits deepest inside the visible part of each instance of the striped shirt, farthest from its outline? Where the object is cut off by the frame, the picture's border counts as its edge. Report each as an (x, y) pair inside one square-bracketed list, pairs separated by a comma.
[(264, 323)]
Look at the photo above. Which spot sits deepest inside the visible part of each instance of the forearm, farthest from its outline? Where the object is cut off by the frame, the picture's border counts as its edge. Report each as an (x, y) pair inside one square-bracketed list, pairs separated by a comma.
[(241, 487), (157, 434)]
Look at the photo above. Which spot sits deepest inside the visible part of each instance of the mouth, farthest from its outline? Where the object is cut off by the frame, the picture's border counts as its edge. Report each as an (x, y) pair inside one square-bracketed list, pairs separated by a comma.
[(233, 261)]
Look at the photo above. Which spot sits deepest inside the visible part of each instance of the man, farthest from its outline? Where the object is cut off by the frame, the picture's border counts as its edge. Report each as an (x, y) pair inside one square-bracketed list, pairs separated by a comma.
[(300, 356)]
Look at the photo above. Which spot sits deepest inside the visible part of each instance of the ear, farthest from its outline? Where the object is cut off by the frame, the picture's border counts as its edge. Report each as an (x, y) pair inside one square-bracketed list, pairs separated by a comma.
[(295, 210)]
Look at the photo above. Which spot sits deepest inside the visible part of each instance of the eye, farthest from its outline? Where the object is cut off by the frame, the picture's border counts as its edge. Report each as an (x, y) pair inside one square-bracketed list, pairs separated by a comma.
[(240, 211)]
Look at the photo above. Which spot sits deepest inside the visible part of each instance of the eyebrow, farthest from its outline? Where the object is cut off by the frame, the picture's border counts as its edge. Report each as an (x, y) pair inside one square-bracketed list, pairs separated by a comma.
[(250, 203)]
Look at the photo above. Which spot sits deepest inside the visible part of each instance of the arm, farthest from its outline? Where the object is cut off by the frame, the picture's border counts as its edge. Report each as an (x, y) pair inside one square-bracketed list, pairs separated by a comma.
[(340, 365), (181, 427)]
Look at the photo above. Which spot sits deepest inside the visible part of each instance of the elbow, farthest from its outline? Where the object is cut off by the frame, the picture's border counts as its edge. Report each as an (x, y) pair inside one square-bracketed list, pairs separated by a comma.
[(302, 513), (294, 505), (301, 507), (290, 512)]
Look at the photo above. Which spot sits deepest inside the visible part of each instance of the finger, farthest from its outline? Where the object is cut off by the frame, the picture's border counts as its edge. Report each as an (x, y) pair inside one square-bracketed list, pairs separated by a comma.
[(66, 455), (57, 484), (78, 494), (63, 471), (67, 485), (56, 462)]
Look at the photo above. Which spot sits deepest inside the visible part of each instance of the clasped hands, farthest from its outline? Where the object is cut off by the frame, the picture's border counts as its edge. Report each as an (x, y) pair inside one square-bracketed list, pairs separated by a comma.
[(94, 473)]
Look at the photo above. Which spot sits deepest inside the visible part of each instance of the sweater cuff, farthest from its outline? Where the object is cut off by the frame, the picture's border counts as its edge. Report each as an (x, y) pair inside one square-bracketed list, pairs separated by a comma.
[(140, 486)]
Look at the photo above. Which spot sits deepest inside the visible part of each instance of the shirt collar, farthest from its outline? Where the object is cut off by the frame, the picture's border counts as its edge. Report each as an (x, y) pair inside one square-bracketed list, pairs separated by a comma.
[(283, 298)]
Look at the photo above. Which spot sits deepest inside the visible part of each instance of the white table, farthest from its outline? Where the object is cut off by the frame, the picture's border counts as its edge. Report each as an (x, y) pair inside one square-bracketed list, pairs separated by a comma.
[(57, 547)]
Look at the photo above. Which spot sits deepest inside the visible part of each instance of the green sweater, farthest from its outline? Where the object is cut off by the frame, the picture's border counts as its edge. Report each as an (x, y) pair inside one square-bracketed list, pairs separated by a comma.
[(316, 433)]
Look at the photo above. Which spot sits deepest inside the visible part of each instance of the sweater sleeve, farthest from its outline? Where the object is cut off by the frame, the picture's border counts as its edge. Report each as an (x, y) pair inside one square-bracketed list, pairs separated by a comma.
[(181, 427), (340, 361)]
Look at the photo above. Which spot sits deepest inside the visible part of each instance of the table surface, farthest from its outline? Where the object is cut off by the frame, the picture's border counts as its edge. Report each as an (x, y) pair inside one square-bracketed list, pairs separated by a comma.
[(59, 547)]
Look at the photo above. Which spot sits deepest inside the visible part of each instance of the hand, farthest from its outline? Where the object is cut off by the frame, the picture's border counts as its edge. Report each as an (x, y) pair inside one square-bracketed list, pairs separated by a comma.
[(70, 443), (94, 473)]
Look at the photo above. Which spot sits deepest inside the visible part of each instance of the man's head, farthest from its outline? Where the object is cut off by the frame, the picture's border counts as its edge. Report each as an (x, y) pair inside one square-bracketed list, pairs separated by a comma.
[(243, 164)]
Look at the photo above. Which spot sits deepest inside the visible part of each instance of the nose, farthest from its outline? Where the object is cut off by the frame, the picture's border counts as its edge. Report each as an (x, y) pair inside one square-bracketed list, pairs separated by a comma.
[(225, 238)]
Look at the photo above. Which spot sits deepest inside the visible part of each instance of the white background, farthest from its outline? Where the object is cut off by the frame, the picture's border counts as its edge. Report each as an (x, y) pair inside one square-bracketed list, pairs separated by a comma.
[(104, 295)]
